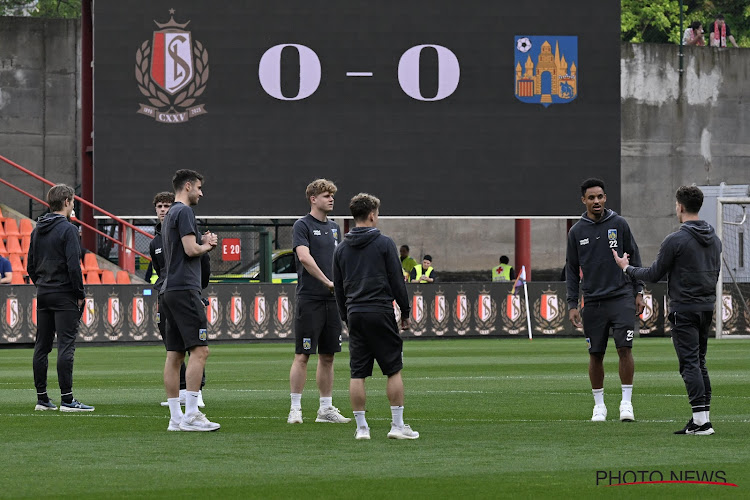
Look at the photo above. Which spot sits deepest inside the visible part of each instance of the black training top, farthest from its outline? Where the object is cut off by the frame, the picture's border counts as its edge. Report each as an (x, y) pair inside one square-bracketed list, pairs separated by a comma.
[(321, 238), (54, 260), (182, 272)]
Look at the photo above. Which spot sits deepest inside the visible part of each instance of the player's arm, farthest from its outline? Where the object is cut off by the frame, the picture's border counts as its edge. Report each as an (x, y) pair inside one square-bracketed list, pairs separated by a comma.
[(193, 249), (307, 260), (7, 277), (30, 262), (572, 280), (658, 269), (338, 288), (73, 260)]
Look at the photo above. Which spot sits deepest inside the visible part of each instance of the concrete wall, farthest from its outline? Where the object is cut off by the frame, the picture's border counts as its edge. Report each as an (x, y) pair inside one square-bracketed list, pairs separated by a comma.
[(676, 129), (39, 104)]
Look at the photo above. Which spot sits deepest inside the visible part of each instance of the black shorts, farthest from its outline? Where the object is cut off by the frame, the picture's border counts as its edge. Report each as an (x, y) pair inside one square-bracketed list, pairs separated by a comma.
[(374, 336), (598, 317), (317, 326), (185, 317)]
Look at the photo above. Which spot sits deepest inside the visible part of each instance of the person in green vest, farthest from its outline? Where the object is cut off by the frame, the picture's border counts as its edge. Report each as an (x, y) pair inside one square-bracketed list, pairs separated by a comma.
[(407, 262), (503, 272), (424, 272)]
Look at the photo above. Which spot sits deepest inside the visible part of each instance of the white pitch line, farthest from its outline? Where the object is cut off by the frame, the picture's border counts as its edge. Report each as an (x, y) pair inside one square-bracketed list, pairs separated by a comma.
[(359, 73)]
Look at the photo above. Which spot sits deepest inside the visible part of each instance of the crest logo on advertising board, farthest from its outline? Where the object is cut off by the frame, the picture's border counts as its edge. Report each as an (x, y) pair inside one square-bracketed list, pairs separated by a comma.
[(12, 319), (171, 71), (138, 314), (461, 317), (114, 318), (213, 315), (548, 313), (440, 316), (486, 313), (236, 315), (728, 314), (546, 69), (32, 317), (650, 314), (513, 317), (282, 315), (397, 312), (418, 316), (259, 325), (89, 319)]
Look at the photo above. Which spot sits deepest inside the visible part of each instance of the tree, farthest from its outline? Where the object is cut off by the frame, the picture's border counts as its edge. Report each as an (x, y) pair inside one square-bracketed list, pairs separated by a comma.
[(41, 8)]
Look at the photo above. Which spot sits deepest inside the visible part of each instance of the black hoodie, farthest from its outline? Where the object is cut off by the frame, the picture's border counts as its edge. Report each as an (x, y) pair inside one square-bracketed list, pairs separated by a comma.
[(367, 275), (54, 261), (691, 257)]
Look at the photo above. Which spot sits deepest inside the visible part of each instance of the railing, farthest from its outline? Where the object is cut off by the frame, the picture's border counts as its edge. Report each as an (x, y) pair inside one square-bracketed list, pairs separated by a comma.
[(125, 226)]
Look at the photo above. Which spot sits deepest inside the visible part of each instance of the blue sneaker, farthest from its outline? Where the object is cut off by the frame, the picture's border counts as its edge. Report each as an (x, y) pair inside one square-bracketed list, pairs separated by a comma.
[(75, 405), (45, 405)]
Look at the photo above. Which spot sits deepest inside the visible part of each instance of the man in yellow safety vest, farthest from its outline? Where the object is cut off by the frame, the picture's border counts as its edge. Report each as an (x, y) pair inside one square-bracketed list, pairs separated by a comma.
[(423, 273), (503, 272)]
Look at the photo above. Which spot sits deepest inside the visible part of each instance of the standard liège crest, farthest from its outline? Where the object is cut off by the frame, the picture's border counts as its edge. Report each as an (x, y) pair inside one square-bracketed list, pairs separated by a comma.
[(236, 315), (213, 315), (485, 313), (513, 317), (171, 71), (461, 313), (114, 320), (138, 317), (282, 315), (88, 328), (260, 319), (548, 313), (650, 314), (418, 316), (12, 313), (729, 314), (440, 316)]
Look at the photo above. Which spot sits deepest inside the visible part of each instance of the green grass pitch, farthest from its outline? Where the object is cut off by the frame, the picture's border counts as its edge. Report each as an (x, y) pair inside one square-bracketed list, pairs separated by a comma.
[(497, 418)]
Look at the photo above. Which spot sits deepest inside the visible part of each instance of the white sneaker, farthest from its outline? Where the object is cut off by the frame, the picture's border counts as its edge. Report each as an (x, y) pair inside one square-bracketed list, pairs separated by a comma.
[(198, 422), (331, 414), (164, 403), (404, 432), (174, 425), (600, 413), (201, 404), (362, 433), (295, 416), (626, 411)]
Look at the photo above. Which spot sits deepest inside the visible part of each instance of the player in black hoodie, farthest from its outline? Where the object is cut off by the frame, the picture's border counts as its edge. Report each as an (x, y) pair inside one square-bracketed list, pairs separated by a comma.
[(54, 265), (691, 258), (367, 278)]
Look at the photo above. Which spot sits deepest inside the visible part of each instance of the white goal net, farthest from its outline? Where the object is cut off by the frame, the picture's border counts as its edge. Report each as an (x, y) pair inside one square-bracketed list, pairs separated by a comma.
[(733, 309)]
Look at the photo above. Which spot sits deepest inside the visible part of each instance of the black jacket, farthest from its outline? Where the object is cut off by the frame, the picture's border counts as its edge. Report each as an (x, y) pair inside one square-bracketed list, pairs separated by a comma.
[(691, 257), (590, 245), (367, 275), (54, 260), (155, 248)]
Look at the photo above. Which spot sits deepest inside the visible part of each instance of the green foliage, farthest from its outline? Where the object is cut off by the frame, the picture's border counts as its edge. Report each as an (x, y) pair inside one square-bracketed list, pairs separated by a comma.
[(41, 8)]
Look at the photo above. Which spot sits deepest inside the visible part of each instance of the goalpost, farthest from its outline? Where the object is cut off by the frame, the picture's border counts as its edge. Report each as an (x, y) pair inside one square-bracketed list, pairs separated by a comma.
[(733, 288)]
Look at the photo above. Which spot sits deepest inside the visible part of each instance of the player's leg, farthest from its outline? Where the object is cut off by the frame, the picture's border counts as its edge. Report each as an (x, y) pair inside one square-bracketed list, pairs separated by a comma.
[(596, 329), (623, 330), (328, 343), (703, 332), (45, 335), (302, 349), (361, 361), (67, 317), (175, 357)]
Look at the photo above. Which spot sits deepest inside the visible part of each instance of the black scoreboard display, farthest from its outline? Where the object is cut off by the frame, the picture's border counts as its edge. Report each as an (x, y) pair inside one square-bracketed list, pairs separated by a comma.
[(441, 108)]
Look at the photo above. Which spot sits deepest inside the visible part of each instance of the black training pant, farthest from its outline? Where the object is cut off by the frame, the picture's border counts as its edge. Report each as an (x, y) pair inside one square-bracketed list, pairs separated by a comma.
[(56, 312), (690, 338), (162, 331)]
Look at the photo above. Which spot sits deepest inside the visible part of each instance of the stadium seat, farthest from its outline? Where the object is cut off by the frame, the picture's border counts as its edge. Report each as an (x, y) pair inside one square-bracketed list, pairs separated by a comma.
[(2, 230), (123, 278), (3, 250), (16, 264), (13, 245), (11, 227), (25, 227), (92, 278), (17, 278), (90, 262), (25, 243), (108, 277)]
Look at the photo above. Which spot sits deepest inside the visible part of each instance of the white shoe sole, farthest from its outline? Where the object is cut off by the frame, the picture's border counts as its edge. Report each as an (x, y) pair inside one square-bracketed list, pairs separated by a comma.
[(44, 408), (73, 410), (171, 427), (293, 421), (190, 428), (627, 418), (323, 420), (362, 438)]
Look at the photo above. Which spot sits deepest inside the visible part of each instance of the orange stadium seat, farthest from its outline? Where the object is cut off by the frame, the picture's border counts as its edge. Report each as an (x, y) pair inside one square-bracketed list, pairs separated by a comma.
[(25, 227), (123, 278), (11, 228), (17, 278), (92, 278), (3, 250), (16, 264), (108, 277), (13, 245), (25, 244), (90, 262), (2, 230)]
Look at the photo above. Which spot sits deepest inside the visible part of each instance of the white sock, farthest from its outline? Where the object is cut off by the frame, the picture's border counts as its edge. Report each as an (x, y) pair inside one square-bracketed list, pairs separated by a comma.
[(191, 402), (175, 412), (182, 394), (598, 396), (296, 401), (397, 414), (708, 418), (627, 392), (326, 402), (699, 417), (359, 416)]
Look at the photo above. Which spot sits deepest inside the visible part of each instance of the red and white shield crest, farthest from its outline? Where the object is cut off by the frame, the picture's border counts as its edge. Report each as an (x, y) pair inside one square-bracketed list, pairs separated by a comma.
[(462, 307), (484, 306), (33, 311), (212, 310), (282, 313), (727, 309), (513, 307), (113, 310), (417, 309), (172, 60), (12, 316), (235, 309), (259, 309), (648, 310), (549, 307), (139, 313), (439, 311), (396, 311), (88, 312)]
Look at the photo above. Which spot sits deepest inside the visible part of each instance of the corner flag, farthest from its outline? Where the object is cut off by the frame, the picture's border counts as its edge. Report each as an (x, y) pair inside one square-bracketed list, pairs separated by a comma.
[(520, 280)]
